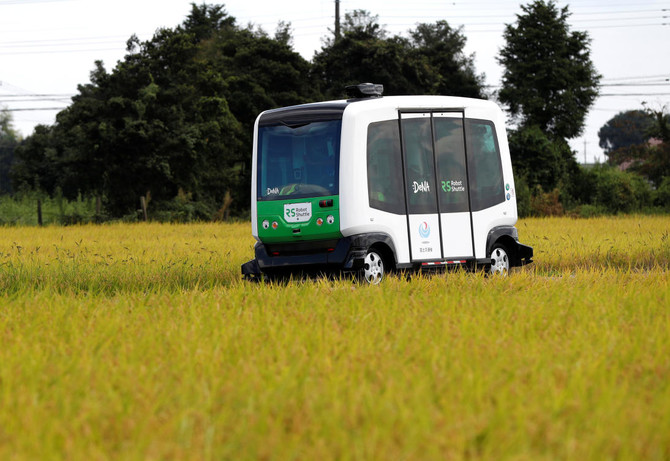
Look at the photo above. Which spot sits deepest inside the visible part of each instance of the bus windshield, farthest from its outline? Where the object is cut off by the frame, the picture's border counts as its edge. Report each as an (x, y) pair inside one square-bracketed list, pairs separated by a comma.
[(298, 161)]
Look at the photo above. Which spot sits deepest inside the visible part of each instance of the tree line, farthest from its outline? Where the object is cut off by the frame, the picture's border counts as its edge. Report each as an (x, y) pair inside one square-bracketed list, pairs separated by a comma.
[(172, 122)]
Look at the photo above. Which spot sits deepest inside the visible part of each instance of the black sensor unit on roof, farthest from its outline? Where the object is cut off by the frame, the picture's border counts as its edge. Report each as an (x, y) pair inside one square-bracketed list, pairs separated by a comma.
[(365, 90)]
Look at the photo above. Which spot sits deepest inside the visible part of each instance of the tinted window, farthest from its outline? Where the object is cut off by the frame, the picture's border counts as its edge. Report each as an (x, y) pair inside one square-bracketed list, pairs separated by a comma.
[(485, 168), (451, 171), (300, 161), (385, 167), (420, 166)]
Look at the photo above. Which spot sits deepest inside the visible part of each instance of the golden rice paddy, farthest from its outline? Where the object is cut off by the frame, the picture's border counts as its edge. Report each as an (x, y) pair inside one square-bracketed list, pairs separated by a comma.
[(143, 342)]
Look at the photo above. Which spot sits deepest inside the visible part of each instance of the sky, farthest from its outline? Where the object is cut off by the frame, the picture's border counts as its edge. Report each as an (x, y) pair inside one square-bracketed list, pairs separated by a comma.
[(48, 47)]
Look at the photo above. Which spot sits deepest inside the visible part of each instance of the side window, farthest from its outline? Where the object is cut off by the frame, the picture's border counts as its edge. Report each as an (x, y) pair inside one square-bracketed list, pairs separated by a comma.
[(451, 173), (485, 167), (420, 166), (385, 183)]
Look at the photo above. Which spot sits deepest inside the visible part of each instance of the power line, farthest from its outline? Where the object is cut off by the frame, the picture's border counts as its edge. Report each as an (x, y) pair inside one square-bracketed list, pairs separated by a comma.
[(633, 94), (24, 109), (501, 17), (56, 41), (64, 101), (643, 77), (111, 39), (63, 95), (88, 50), (634, 84), (23, 2), (67, 42)]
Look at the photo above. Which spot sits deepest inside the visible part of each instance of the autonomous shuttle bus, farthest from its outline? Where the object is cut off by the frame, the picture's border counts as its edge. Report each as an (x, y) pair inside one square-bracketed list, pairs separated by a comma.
[(372, 184)]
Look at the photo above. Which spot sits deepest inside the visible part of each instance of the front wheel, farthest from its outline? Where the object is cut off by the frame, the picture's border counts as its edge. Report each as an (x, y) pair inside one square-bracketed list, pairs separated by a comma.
[(499, 261), (373, 268)]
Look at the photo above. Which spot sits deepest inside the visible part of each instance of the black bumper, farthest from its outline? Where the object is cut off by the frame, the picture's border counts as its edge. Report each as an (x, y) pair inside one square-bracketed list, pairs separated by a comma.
[(508, 236), (345, 254), (524, 254)]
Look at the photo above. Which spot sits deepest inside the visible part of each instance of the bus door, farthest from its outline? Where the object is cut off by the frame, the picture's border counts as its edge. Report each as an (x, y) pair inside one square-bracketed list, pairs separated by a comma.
[(453, 185), (439, 221), (423, 221)]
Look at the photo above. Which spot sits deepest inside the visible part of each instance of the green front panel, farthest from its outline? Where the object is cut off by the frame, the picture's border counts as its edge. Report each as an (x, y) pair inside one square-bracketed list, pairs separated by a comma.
[(293, 224)]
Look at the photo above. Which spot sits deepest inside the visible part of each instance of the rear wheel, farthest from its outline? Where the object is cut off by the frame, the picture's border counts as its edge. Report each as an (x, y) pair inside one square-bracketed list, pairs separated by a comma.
[(499, 260), (373, 268)]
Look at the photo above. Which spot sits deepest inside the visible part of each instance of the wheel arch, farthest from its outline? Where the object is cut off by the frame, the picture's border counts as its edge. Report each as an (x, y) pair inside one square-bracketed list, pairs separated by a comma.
[(386, 253), (382, 243), (507, 236)]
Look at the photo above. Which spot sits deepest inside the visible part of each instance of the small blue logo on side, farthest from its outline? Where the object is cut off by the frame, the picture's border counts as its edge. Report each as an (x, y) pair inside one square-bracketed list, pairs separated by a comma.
[(424, 230)]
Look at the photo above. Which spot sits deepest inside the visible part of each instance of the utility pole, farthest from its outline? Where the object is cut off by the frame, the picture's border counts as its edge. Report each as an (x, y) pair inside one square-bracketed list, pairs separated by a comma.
[(337, 20)]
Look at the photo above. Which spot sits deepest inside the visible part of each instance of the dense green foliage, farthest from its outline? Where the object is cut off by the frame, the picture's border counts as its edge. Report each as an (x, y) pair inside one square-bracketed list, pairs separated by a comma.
[(660, 126), (616, 191), (652, 158), (542, 161), (637, 143), (549, 79), (430, 61), (173, 121), (8, 142), (663, 194), (624, 130), (21, 209), (549, 83), (599, 189)]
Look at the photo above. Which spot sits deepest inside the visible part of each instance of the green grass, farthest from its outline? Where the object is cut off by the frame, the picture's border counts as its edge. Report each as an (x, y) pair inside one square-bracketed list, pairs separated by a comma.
[(22, 209), (133, 354)]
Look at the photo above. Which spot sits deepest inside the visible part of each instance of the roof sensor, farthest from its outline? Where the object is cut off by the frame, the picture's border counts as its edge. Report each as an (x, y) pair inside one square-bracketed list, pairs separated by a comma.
[(365, 90)]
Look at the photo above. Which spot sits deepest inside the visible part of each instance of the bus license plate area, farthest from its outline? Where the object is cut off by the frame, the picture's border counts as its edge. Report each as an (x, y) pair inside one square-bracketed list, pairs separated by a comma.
[(298, 212)]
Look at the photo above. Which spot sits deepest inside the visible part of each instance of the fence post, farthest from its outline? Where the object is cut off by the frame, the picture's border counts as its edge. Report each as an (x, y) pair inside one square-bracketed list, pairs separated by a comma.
[(39, 212), (143, 203)]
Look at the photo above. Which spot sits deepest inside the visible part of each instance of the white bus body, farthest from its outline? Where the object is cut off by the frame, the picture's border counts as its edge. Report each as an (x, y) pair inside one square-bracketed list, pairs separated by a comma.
[(373, 184)]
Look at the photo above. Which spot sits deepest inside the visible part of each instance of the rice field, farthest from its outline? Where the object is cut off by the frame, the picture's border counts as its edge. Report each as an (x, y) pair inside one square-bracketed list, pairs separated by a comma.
[(143, 342)]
